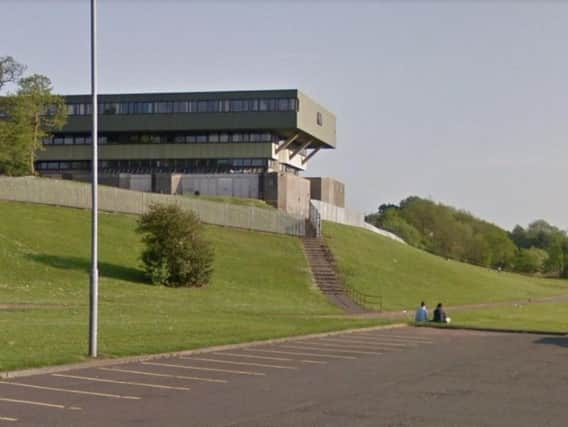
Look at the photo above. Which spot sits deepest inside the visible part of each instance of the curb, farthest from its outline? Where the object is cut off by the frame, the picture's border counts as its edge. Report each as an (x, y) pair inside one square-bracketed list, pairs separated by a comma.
[(497, 330), (145, 357)]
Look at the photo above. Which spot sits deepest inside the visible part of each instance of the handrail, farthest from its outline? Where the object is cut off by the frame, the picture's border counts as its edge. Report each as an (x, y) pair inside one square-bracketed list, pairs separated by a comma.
[(369, 300)]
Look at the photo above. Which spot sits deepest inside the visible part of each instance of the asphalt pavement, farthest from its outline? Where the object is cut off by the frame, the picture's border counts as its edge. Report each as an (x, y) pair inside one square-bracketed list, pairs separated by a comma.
[(385, 377)]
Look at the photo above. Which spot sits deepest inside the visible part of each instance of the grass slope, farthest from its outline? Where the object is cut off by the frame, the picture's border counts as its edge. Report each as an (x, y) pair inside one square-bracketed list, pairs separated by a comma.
[(260, 289), (550, 317), (404, 276)]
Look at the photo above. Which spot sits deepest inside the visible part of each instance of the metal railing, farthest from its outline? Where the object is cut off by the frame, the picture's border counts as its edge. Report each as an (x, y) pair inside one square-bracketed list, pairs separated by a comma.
[(374, 302)]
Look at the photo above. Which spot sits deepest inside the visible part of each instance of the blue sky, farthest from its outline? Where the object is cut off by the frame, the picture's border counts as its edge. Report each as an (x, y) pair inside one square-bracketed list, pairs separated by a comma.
[(463, 102)]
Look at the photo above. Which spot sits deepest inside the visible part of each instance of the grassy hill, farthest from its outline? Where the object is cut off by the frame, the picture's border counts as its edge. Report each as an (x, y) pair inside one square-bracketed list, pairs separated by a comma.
[(261, 288), (404, 275)]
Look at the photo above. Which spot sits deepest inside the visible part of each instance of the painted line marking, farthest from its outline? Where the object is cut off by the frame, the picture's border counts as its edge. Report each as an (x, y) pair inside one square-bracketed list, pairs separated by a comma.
[(104, 380), (65, 390), (386, 341), (281, 359), (154, 374), (397, 337), (377, 344), (260, 365), (330, 348), (331, 356), (8, 419), (199, 368), (34, 403)]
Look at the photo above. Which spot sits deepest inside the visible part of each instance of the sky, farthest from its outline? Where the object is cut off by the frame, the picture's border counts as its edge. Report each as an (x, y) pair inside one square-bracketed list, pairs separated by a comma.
[(462, 102)]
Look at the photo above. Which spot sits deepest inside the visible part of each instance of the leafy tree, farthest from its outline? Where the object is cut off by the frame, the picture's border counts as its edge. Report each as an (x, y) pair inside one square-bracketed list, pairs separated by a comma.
[(10, 70), (176, 253), (531, 260), (30, 115)]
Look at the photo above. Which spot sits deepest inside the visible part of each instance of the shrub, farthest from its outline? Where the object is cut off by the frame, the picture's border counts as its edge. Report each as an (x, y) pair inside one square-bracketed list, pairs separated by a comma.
[(176, 252)]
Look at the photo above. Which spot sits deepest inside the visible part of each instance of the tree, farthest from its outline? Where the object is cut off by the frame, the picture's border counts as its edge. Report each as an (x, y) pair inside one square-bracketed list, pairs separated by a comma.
[(531, 260), (10, 70), (176, 252), (30, 115)]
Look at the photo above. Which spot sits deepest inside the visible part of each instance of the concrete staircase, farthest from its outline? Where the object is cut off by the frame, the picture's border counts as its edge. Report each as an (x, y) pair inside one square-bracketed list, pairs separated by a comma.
[(324, 273)]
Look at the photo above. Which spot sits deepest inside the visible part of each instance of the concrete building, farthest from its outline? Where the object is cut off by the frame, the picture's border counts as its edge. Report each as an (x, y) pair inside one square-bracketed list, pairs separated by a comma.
[(245, 143)]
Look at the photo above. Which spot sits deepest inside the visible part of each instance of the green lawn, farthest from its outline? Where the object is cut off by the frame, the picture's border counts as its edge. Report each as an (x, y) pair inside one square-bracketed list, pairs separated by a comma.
[(241, 201), (404, 276), (549, 317), (260, 289)]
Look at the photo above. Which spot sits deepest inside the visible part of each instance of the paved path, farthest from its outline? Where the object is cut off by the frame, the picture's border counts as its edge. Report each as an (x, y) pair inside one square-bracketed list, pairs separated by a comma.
[(409, 313), (390, 377)]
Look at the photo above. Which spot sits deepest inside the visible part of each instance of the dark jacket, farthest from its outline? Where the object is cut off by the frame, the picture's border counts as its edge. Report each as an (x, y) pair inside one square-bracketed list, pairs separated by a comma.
[(439, 315)]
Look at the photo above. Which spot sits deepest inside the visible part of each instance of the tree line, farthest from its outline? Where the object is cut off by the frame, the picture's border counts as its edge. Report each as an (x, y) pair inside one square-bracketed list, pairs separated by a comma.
[(541, 248), (27, 115)]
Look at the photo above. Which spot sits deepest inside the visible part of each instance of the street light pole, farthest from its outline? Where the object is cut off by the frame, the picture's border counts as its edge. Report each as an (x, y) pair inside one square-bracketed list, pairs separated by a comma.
[(94, 279)]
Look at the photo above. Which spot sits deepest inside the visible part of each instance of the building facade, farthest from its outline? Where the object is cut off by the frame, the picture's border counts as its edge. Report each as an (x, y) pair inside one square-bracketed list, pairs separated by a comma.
[(210, 136)]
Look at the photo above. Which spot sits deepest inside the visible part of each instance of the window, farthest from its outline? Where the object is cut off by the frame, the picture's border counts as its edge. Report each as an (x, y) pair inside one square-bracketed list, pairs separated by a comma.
[(181, 107), (237, 105), (224, 137), (147, 107), (212, 106), (201, 138), (164, 107), (80, 140), (213, 137), (283, 105), (179, 139), (202, 106), (319, 119)]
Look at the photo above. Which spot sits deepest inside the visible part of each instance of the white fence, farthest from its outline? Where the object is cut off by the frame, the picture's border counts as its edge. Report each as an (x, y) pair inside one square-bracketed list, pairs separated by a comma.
[(78, 195), (346, 216)]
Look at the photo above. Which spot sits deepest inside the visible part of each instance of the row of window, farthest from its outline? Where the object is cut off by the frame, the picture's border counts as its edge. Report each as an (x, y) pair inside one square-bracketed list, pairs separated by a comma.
[(204, 106), (153, 164), (141, 138)]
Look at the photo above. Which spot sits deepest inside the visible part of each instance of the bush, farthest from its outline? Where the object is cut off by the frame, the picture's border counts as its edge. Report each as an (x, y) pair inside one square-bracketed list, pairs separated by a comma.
[(176, 252)]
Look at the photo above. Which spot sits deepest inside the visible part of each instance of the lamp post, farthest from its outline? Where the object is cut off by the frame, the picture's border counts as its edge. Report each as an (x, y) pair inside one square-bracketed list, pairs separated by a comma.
[(94, 277)]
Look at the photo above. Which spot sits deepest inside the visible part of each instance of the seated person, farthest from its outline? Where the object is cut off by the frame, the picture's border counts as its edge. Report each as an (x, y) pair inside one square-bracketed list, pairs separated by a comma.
[(440, 315), (421, 313)]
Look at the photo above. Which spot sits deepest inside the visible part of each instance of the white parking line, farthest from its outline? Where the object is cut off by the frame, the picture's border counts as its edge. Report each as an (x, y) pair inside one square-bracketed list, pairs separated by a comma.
[(331, 356), (281, 359), (388, 341), (104, 380), (44, 404), (154, 374), (199, 368), (398, 337), (329, 347), (65, 390), (8, 419), (229, 362), (367, 343)]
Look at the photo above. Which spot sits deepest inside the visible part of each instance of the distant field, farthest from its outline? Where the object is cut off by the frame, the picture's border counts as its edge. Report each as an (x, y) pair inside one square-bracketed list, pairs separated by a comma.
[(404, 276), (549, 317), (260, 289)]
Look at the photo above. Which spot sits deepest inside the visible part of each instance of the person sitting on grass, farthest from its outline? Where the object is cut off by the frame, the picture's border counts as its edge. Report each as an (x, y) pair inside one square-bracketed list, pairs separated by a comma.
[(421, 313), (440, 315)]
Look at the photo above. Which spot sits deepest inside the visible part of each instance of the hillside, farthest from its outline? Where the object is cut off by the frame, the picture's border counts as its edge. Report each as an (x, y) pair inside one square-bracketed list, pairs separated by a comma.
[(404, 275), (261, 288)]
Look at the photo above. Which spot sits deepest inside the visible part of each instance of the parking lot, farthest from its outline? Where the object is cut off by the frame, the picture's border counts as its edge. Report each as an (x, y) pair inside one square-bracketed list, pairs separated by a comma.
[(400, 376)]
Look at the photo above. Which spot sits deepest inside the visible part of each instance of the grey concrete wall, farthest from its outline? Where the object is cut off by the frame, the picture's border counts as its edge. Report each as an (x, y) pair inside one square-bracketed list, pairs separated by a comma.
[(166, 183), (78, 195), (328, 190), (290, 193), (234, 185), (136, 182)]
